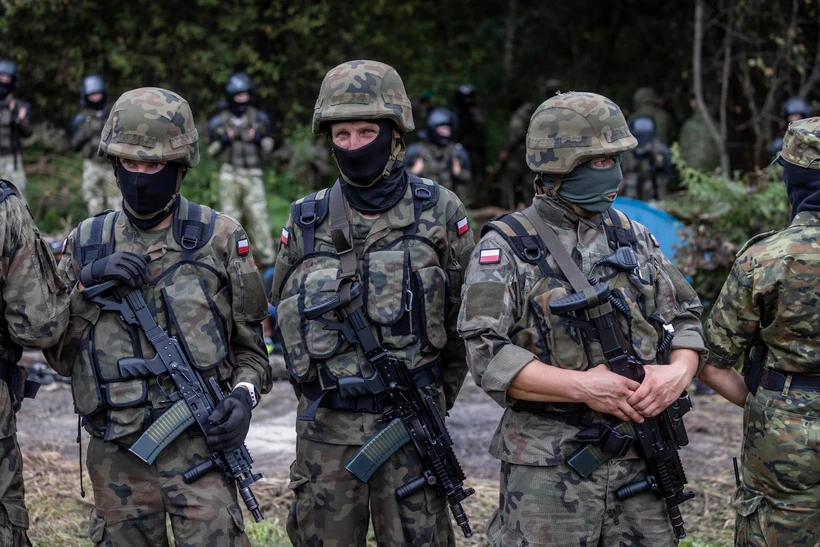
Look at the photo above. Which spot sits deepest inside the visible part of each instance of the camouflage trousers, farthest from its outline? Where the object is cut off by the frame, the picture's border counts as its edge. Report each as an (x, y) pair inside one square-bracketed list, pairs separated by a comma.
[(8, 171), (778, 502), (242, 196), (554, 506), (132, 499), (332, 508), (99, 188), (13, 514)]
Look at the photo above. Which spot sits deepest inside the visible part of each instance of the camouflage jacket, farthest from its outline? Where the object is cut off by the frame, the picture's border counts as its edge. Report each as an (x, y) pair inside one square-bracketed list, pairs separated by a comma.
[(516, 139), (85, 132), (11, 125), (771, 294), (697, 147), (243, 150), (33, 300), (211, 299), (644, 169), (664, 123), (505, 322), (438, 164), (412, 287)]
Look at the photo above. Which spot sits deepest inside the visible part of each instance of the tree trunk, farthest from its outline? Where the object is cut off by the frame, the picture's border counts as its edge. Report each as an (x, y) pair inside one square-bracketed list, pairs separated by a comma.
[(510, 28)]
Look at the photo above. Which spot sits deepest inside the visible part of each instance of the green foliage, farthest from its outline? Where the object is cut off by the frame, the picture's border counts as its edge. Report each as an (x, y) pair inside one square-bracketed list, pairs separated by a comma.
[(266, 534), (720, 215)]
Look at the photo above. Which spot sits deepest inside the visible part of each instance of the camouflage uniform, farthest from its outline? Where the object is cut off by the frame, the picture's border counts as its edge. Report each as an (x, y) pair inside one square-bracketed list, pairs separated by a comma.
[(506, 324), (35, 314), (209, 295), (241, 189), (697, 146), (771, 296), (645, 169), (11, 131), (438, 165), (646, 104), (411, 275), (514, 178), (99, 186)]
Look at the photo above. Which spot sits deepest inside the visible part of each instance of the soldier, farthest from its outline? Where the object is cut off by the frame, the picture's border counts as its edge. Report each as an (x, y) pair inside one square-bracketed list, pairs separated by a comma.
[(648, 167), (99, 183), (15, 122), (647, 103), (240, 135), (768, 311), (35, 314), (697, 146), (439, 156), (535, 365), (795, 108), (197, 275), (470, 130), (514, 178), (408, 241)]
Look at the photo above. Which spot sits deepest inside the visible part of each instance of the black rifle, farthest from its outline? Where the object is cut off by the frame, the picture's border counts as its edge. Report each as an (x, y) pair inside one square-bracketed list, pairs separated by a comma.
[(412, 417), (659, 438), (194, 399)]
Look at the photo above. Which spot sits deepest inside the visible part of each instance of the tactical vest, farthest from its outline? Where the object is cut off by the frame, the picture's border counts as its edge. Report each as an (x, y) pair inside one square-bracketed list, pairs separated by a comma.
[(93, 122), (438, 163), (6, 130), (189, 298), (548, 336), (405, 295), (242, 151)]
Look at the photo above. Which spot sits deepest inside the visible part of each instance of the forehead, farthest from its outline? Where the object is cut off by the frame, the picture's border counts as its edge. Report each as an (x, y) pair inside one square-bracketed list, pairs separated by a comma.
[(353, 126)]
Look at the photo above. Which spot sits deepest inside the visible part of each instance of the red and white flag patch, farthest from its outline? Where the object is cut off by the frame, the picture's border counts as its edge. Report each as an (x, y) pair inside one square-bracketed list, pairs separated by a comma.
[(654, 240), (285, 236), (489, 256), (243, 246), (462, 226)]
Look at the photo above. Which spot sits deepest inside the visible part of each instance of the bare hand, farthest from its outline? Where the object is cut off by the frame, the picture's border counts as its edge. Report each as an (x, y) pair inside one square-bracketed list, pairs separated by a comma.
[(230, 132), (21, 115), (661, 386), (12, 104), (456, 167), (418, 167), (607, 392), (251, 133)]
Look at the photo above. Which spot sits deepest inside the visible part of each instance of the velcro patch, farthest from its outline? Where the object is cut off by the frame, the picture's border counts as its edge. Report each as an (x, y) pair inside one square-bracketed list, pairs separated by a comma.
[(462, 226), (654, 240), (146, 141), (185, 139), (350, 98), (489, 256), (285, 236), (243, 247)]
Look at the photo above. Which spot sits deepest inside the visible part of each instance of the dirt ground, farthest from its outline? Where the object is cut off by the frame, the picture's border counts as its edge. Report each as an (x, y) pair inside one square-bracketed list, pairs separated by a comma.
[(48, 429)]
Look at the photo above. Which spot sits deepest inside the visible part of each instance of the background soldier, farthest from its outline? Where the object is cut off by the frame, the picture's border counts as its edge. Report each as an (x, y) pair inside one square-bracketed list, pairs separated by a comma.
[(795, 108), (35, 314), (470, 131), (99, 183), (14, 123), (439, 157), (410, 236), (240, 134), (768, 311), (203, 287), (534, 364), (697, 146), (646, 103), (648, 167)]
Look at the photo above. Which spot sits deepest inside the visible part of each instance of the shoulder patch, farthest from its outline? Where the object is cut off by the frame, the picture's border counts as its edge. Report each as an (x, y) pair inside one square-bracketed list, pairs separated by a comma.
[(243, 247), (489, 256), (285, 236), (654, 241), (462, 226), (756, 239)]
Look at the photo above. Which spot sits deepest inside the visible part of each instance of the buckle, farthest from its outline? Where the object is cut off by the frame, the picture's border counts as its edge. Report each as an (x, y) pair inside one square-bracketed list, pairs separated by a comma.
[(614, 442), (184, 242), (307, 220), (422, 192), (533, 253)]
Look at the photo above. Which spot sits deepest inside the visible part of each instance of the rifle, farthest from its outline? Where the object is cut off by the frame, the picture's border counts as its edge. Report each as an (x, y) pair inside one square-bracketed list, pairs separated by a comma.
[(412, 416), (194, 399), (658, 438)]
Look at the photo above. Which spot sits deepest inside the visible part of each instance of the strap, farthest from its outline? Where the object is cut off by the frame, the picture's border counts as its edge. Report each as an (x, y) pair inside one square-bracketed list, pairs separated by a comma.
[(97, 245), (618, 234), (424, 197), (528, 246), (307, 213), (776, 381), (340, 235), (6, 189), (190, 230)]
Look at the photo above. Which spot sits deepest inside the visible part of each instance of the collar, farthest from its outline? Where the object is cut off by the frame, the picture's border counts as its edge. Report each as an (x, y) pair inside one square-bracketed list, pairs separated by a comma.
[(553, 210), (806, 218), (401, 215)]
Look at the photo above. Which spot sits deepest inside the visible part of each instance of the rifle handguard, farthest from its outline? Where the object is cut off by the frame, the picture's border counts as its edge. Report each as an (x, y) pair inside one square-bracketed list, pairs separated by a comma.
[(331, 304), (578, 301)]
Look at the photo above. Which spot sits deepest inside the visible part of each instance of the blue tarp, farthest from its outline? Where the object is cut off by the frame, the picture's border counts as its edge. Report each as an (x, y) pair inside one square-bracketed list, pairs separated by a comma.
[(661, 224)]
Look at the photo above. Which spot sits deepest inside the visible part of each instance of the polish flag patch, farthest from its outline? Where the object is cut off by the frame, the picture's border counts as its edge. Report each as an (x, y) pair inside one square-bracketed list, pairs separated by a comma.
[(65, 242), (462, 226), (654, 240), (285, 236), (489, 256), (243, 247)]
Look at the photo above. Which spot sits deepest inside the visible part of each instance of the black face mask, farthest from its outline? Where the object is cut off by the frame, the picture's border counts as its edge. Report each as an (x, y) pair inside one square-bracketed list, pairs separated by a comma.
[(378, 197), (435, 138), (802, 186), (363, 166), (149, 199), (238, 109)]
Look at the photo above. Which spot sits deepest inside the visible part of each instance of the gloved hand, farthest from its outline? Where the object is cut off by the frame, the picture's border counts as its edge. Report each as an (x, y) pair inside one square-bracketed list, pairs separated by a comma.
[(128, 268), (230, 421)]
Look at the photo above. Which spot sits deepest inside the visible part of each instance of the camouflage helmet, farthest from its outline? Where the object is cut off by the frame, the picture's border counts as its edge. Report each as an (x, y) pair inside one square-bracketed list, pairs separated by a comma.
[(570, 128), (151, 124), (644, 96), (801, 144), (363, 90)]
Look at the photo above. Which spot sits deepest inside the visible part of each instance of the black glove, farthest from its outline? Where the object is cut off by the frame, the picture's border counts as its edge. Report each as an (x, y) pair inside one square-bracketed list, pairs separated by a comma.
[(230, 421), (128, 268)]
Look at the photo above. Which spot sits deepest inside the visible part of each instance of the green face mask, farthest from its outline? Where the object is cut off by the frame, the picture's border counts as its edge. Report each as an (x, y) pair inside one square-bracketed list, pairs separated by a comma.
[(593, 190)]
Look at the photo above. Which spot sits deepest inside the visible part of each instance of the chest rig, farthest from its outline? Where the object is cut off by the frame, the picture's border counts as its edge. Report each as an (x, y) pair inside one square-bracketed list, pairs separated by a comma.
[(242, 150), (403, 299)]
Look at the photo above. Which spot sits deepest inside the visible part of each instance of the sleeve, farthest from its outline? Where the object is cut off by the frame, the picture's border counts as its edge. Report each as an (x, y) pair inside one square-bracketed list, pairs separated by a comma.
[(79, 133), (289, 253), (264, 128), (36, 304), (249, 308), (413, 153), (466, 165), (490, 309), (460, 244), (735, 319), (216, 132), (24, 125)]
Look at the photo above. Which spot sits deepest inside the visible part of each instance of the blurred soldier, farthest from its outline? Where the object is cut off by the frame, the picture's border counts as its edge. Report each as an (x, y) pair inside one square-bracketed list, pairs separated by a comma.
[(240, 134), (439, 157), (795, 108), (647, 168), (404, 241), (647, 104), (194, 269), (470, 131), (767, 313), (551, 382), (421, 109), (15, 122), (100, 190), (697, 146), (35, 314)]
